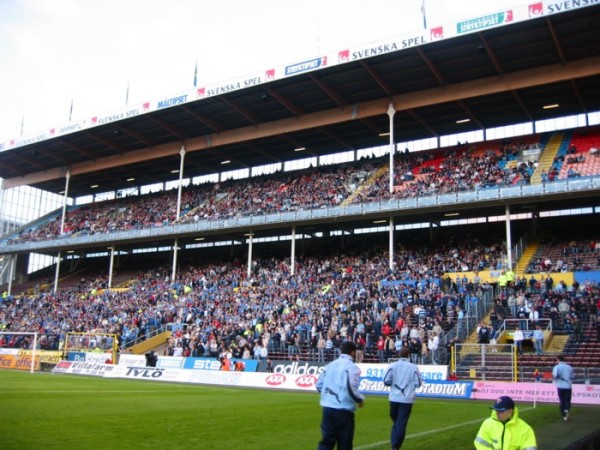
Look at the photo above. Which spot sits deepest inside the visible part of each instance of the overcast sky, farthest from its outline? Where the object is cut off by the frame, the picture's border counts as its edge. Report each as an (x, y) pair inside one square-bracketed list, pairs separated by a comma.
[(58, 52)]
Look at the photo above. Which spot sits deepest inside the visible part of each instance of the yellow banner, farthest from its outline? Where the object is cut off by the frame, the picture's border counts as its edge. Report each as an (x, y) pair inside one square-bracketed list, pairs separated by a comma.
[(46, 356), (19, 362)]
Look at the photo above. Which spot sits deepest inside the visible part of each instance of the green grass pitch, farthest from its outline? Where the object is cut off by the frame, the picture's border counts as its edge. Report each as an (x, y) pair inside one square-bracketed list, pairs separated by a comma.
[(53, 411)]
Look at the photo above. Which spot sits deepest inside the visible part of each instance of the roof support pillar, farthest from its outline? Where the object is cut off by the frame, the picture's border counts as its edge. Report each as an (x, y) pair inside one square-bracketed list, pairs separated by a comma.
[(181, 166)]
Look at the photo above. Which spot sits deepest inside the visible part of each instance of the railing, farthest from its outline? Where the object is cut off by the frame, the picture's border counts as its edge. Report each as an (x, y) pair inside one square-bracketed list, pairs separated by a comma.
[(245, 223), (142, 336)]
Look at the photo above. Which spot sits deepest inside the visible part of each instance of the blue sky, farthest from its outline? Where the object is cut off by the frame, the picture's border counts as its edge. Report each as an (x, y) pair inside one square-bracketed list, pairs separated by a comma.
[(58, 52)]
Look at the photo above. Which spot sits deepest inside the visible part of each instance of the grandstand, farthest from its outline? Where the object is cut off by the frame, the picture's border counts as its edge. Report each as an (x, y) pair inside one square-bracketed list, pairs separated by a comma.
[(232, 254)]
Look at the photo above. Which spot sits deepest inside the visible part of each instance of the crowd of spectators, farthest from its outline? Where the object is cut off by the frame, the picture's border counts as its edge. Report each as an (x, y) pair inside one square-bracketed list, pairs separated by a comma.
[(217, 307), (459, 170), (566, 256), (464, 169), (568, 308), (277, 193)]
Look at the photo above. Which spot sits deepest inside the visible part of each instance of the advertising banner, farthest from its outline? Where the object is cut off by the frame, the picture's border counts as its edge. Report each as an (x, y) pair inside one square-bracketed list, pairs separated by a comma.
[(584, 394)]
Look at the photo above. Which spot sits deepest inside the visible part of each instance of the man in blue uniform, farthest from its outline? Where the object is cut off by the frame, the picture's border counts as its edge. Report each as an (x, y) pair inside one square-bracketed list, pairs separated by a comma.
[(338, 386), (403, 378)]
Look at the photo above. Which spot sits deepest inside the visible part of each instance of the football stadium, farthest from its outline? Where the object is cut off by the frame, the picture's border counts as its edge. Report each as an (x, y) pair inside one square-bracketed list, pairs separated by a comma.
[(190, 265)]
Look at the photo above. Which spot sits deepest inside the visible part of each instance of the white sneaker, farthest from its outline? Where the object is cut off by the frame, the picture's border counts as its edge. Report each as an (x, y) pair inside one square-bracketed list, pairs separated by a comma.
[(566, 417)]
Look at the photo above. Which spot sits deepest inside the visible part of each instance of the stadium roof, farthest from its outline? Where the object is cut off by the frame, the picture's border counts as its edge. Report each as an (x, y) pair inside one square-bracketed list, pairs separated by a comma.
[(492, 77)]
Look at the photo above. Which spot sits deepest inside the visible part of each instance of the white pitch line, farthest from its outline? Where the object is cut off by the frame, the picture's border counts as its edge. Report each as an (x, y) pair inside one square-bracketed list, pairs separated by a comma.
[(143, 391), (425, 433)]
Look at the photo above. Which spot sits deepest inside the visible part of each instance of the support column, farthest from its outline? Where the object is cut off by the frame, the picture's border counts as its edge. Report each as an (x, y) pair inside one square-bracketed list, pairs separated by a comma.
[(181, 166), (391, 250), (249, 269), (11, 274), (64, 209), (508, 239), (2, 195), (391, 112), (293, 254), (58, 258), (174, 268), (110, 266)]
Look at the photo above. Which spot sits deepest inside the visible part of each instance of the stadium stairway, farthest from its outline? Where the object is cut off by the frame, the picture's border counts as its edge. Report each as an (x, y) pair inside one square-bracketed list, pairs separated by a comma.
[(157, 343), (526, 258), (547, 158), (379, 173)]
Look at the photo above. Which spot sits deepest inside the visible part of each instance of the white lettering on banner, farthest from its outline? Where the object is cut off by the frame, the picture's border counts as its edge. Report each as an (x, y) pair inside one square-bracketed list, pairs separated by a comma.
[(428, 372), (367, 385), (453, 389), (203, 364), (275, 379), (306, 66), (296, 368), (306, 381), (571, 4)]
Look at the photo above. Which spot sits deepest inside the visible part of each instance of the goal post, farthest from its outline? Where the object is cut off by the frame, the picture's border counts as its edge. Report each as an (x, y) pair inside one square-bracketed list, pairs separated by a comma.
[(485, 361), (19, 350), (91, 342)]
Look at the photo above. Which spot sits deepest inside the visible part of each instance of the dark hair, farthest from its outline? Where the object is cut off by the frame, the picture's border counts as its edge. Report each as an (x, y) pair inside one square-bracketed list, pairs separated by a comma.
[(348, 347), (404, 352)]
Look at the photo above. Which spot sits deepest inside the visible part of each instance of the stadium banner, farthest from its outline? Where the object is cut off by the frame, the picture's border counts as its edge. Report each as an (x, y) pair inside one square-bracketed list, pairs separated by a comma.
[(19, 362), (514, 14), (127, 359), (93, 357), (584, 394), (428, 372), (480, 390), (436, 389), (293, 367), (46, 356), (83, 368), (204, 363)]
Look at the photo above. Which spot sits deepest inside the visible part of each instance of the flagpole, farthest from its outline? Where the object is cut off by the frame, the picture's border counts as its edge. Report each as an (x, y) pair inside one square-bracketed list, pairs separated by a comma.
[(196, 74), (71, 110), (127, 94), (424, 14)]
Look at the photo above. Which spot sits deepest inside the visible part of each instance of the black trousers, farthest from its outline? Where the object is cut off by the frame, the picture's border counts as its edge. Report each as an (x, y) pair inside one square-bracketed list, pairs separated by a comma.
[(337, 427), (400, 413), (564, 397)]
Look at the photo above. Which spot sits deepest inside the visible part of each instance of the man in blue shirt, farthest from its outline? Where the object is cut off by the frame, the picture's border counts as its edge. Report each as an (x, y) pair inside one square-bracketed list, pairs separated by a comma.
[(338, 386), (538, 340), (563, 375), (403, 378)]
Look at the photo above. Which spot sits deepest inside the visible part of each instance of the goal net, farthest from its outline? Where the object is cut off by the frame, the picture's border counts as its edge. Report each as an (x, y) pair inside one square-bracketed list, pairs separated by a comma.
[(20, 350)]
